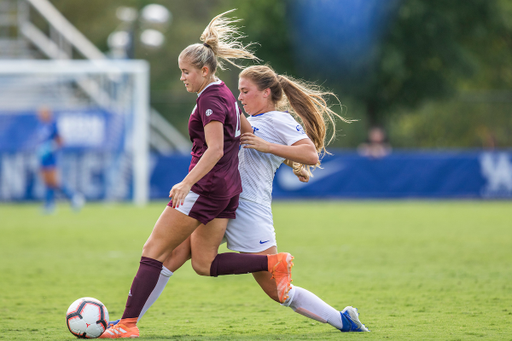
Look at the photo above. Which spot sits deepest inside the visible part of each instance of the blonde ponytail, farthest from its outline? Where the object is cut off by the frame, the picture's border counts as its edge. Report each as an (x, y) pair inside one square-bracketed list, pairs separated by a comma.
[(307, 102), (221, 40)]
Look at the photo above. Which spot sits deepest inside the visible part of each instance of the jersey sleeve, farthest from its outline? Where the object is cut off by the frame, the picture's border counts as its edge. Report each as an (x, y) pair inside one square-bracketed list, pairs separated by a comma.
[(211, 108), (289, 129)]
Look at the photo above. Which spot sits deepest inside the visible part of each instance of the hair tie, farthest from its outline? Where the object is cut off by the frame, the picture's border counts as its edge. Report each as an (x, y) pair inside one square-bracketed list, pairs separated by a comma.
[(208, 46)]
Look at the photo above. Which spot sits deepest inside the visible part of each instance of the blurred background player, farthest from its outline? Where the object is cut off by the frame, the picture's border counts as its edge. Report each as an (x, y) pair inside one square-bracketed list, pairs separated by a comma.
[(50, 143)]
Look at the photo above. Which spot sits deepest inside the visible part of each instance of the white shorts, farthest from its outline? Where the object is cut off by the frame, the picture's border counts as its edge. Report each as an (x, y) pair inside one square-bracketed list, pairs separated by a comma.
[(252, 230), (205, 209)]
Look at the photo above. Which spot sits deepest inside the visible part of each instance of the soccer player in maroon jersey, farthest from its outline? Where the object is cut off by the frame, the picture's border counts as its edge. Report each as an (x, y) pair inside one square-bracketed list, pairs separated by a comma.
[(208, 196)]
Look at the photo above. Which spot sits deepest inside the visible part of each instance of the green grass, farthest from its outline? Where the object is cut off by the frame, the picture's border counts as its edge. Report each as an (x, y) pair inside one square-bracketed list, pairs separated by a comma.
[(416, 271)]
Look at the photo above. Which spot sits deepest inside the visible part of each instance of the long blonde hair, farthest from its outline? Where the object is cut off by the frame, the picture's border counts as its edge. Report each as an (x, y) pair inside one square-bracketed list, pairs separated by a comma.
[(221, 40), (307, 102)]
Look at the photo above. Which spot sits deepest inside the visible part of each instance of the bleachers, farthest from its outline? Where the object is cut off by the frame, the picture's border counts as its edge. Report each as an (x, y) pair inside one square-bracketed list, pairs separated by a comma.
[(24, 93)]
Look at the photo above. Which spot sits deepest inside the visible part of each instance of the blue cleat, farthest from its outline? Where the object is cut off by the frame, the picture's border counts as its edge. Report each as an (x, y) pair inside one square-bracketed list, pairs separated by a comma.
[(49, 208), (113, 323), (350, 319)]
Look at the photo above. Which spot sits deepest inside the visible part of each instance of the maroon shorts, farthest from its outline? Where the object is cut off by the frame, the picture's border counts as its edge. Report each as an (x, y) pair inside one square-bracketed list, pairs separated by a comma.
[(206, 209)]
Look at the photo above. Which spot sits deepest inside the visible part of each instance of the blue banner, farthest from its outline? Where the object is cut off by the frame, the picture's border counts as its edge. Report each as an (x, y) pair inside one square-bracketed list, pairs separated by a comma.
[(97, 175), (91, 160), (344, 175), (166, 172), (88, 129), (476, 175)]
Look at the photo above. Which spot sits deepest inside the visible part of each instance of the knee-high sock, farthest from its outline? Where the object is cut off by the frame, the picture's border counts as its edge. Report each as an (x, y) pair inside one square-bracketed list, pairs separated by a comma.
[(308, 304), (49, 198), (143, 284), (165, 274), (232, 263)]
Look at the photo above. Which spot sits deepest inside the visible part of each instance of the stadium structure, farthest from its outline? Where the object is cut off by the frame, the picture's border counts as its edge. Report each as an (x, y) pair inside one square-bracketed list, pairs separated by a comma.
[(101, 105)]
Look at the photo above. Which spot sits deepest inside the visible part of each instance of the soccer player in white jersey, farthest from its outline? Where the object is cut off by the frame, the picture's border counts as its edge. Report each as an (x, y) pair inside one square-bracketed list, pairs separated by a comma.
[(276, 137)]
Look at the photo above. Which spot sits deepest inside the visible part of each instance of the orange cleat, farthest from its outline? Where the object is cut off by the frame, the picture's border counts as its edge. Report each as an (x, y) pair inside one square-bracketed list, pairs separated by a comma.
[(125, 329), (280, 265)]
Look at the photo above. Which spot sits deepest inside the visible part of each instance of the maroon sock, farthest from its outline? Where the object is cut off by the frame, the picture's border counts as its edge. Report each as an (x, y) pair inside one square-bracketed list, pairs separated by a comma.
[(143, 284), (231, 263)]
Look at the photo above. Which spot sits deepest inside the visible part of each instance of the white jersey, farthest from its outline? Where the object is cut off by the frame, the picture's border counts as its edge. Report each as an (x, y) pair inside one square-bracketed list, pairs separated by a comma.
[(257, 169)]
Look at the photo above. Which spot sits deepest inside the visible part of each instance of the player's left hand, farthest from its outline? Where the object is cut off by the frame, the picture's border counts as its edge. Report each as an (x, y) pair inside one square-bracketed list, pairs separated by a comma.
[(249, 140), (178, 193), (302, 174)]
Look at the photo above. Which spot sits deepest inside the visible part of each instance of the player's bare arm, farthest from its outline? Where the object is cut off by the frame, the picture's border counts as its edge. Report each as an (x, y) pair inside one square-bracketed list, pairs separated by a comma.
[(302, 151), (214, 135)]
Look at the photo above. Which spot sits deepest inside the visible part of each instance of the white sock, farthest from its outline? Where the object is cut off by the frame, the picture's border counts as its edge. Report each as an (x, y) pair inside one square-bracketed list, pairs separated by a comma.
[(308, 304), (165, 274)]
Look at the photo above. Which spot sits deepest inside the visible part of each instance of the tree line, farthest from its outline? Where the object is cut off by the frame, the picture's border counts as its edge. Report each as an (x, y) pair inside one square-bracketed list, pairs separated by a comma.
[(441, 75)]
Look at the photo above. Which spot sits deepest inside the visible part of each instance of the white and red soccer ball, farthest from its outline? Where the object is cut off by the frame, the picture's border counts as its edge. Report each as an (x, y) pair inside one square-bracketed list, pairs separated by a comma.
[(87, 318)]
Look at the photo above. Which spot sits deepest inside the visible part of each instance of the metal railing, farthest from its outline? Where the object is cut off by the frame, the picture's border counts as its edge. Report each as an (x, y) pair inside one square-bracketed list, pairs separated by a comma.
[(63, 41)]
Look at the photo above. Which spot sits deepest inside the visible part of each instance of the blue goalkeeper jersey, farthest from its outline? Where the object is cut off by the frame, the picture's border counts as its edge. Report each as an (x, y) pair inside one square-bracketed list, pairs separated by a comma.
[(48, 146)]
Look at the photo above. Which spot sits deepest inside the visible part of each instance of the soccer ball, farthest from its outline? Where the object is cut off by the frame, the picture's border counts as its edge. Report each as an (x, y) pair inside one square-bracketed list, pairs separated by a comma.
[(87, 318)]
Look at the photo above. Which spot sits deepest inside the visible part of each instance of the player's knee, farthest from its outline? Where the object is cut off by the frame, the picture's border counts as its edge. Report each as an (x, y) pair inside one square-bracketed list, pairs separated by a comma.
[(271, 291), (148, 245), (202, 268), (267, 284), (152, 249), (274, 295)]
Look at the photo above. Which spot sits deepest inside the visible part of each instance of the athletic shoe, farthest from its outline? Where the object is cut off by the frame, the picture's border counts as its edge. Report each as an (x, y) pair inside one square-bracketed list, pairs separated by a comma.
[(77, 201), (113, 323), (120, 331), (280, 265), (48, 209), (350, 319)]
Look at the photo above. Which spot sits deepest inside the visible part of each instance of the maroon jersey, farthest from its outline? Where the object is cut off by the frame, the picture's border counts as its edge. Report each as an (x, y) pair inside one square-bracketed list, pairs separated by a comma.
[(217, 103)]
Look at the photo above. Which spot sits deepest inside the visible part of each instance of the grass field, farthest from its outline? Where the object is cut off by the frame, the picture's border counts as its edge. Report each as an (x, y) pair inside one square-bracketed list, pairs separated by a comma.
[(416, 271)]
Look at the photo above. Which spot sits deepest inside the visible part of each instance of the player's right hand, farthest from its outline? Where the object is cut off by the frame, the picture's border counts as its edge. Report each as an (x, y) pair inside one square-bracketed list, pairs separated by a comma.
[(178, 194)]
